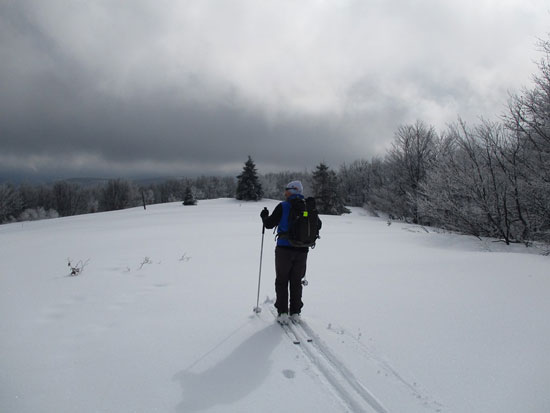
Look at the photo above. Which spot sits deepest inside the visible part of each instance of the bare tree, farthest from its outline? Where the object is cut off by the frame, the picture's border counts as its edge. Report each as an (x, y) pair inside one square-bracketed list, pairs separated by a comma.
[(477, 184), (529, 112), (408, 162), (69, 198), (528, 119), (117, 194), (355, 181), (10, 202)]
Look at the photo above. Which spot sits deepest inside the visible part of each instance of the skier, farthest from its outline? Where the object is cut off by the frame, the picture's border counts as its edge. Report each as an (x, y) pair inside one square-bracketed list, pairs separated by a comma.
[(290, 262)]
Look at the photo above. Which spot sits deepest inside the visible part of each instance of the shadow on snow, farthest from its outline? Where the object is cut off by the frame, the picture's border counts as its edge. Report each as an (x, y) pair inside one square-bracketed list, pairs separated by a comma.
[(232, 378)]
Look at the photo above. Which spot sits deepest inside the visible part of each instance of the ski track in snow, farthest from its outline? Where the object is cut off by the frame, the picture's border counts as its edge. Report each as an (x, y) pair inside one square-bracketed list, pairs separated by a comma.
[(387, 368), (340, 380)]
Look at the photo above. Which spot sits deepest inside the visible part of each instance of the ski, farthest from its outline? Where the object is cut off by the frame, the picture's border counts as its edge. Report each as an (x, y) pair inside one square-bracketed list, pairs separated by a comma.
[(291, 334), (298, 330), (286, 328)]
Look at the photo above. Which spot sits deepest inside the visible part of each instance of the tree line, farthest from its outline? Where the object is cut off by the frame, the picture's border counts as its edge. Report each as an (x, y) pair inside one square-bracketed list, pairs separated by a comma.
[(64, 198), (487, 179), (324, 184), (69, 197)]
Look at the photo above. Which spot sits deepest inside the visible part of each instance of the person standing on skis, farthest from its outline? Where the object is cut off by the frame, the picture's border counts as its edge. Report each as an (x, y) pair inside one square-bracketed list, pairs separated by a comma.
[(290, 261)]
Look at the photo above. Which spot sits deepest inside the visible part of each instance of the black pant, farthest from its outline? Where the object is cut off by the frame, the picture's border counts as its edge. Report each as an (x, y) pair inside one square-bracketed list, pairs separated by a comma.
[(290, 268)]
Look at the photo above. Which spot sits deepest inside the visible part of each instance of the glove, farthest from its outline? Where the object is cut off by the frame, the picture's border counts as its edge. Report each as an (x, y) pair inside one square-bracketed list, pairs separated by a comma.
[(264, 214)]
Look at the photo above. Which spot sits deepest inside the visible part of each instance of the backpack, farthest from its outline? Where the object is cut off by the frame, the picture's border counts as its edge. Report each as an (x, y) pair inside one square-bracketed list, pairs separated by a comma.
[(303, 222)]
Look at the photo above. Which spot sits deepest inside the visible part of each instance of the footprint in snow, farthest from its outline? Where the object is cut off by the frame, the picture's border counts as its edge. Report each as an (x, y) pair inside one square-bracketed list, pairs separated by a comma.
[(289, 374)]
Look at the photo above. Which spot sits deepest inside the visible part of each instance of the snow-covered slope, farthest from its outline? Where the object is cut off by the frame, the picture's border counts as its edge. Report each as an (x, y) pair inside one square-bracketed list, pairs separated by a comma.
[(160, 320)]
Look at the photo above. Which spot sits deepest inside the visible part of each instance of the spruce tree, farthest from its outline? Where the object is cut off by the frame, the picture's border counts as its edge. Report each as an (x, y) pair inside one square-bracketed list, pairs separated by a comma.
[(248, 186), (326, 192), (188, 198)]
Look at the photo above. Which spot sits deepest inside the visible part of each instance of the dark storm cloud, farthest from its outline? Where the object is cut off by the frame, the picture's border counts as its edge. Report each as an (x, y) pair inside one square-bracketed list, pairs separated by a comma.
[(159, 128), (118, 88)]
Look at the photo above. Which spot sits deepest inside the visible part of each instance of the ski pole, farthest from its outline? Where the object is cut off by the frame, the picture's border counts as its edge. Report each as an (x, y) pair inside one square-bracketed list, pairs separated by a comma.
[(257, 309)]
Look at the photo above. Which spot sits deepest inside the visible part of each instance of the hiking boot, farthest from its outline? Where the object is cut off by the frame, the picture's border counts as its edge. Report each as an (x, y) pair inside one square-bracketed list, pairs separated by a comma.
[(296, 318), (283, 318)]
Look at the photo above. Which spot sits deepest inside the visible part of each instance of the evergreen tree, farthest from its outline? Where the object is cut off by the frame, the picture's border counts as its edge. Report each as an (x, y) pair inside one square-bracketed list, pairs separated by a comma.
[(325, 189), (188, 198), (248, 186)]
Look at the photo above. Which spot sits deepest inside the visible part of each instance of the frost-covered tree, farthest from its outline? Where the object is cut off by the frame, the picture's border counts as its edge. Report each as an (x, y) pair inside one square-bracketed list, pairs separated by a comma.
[(35, 214), (529, 113), (408, 162), (493, 179), (528, 119), (326, 191), (10, 202), (30, 197), (249, 187), (355, 180), (69, 198), (477, 185), (117, 194), (171, 190), (457, 191), (273, 183)]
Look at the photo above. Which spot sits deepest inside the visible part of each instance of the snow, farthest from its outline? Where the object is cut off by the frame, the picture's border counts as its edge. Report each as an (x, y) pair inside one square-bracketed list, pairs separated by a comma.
[(421, 321)]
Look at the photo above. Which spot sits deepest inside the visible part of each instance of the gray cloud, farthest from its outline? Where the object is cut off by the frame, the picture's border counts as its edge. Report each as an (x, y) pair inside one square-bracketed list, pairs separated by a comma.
[(167, 87)]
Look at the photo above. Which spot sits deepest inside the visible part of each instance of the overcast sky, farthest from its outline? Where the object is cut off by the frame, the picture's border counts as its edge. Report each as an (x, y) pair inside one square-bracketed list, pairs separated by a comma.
[(107, 88)]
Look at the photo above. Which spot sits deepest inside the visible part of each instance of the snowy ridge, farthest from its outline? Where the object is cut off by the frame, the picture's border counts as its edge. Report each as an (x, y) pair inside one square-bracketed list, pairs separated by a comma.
[(160, 319), (350, 391)]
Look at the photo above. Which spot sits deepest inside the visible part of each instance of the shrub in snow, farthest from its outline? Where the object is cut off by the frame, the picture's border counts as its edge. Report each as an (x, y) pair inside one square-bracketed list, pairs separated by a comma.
[(145, 261), (35, 214), (185, 257), (77, 268)]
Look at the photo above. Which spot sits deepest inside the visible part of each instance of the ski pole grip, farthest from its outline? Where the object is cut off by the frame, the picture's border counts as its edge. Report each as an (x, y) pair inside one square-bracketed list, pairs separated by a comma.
[(263, 226)]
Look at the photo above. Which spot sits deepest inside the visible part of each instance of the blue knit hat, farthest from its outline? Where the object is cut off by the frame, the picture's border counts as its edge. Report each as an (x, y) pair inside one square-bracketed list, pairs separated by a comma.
[(294, 187)]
